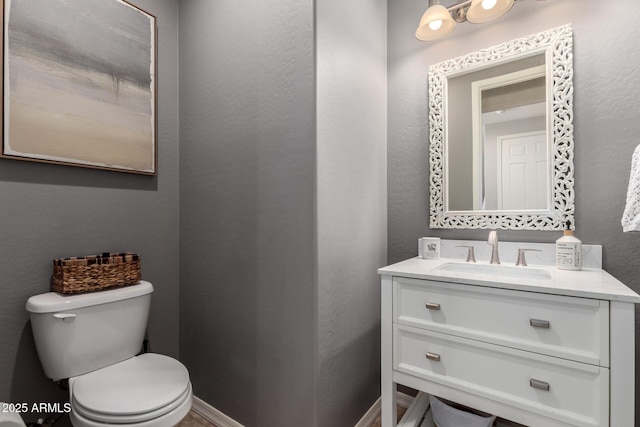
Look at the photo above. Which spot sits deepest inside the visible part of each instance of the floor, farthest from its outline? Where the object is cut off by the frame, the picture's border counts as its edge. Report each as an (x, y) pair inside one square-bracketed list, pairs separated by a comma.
[(194, 420), (400, 411)]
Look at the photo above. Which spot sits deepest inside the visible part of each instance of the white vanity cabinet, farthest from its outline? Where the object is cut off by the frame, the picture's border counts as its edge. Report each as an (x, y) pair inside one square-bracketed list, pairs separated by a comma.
[(543, 353)]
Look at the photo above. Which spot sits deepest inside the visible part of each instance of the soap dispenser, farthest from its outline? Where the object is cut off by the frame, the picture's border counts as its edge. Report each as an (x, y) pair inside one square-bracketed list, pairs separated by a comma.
[(568, 250)]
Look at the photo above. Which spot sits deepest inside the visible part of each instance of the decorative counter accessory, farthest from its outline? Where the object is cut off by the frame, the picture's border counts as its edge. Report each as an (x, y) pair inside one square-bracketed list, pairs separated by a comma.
[(447, 416), (569, 251), (95, 273), (430, 247)]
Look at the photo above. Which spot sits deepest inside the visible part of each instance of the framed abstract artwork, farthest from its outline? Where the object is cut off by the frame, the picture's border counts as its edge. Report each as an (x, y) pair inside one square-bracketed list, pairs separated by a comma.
[(79, 84)]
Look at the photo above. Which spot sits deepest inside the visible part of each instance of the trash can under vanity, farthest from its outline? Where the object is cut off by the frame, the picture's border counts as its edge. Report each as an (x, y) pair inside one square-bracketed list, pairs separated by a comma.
[(445, 415)]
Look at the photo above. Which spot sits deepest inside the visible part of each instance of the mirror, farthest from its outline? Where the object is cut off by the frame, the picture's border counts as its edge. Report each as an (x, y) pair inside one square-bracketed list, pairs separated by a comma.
[(501, 136)]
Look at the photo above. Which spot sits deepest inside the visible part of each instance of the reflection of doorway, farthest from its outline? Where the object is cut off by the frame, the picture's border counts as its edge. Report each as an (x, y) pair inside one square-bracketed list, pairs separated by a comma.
[(522, 171)]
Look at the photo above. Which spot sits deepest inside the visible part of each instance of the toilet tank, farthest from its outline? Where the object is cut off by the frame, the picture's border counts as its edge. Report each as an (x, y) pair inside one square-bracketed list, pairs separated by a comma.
[(76, 334)]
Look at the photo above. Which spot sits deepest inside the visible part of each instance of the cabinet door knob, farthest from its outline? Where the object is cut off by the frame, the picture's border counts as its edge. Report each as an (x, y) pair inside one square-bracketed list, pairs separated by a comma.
[(432, 306), (542, 385), (433, 356), (537, 323)]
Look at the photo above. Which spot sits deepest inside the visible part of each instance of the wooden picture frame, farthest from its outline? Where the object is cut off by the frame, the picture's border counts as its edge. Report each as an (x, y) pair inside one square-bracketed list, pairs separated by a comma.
[(80, 84)]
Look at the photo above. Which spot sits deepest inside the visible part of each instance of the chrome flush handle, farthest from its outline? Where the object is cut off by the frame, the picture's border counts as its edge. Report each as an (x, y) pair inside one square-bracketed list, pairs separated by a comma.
[(65, 317)]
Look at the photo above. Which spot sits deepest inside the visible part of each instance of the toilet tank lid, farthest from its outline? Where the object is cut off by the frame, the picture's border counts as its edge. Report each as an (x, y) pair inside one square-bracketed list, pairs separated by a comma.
[(51, 302)]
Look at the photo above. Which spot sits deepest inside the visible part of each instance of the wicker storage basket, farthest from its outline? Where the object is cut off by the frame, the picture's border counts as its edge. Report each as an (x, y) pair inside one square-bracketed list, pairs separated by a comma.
[(95, 273)]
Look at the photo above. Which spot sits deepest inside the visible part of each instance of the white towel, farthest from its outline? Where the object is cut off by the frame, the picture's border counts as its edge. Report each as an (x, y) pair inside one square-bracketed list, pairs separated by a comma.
[(631, 215)]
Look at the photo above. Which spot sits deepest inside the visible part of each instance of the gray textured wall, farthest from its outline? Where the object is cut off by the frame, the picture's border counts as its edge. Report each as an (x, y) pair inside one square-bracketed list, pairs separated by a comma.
[(247, 196), (352, 199), (606, 108), (51, 211), (282, 227)]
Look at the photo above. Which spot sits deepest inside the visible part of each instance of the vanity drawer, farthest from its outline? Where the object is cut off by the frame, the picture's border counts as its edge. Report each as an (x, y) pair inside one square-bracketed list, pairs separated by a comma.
[(577, 393), (567, 327)]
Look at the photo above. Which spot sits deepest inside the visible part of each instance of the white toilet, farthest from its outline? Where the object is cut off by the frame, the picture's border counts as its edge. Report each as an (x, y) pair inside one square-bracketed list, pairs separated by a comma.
[(92, 339), (10, 419)]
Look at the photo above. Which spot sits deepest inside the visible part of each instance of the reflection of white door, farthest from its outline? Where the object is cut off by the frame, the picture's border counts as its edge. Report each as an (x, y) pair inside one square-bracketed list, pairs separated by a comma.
[(522, 171)]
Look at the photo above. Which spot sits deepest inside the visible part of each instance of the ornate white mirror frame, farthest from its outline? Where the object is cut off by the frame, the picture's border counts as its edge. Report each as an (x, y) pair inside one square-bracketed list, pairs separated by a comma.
[(556, 44)]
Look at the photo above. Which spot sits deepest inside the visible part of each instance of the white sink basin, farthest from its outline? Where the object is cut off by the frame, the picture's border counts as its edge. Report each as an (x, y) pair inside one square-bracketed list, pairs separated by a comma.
[(496, 270)]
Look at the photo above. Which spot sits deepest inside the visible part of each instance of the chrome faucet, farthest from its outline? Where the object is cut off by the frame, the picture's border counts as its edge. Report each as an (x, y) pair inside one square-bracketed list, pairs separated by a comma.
[(493, 241), (471, 256), (521, 259)]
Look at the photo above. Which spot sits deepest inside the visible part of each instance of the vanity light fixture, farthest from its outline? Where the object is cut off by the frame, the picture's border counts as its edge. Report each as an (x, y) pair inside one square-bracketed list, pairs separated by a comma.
[(438, 21)]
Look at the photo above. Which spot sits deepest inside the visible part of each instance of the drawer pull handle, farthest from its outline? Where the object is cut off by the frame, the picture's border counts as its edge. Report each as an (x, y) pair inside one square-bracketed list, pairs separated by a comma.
[(433, 356), (540, 323), (542, 385), (432, 306)]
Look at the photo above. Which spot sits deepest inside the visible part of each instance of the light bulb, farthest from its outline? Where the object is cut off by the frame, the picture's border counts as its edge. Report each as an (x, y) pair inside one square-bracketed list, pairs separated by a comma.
[(482, 11), (488, 4), (435, 25)]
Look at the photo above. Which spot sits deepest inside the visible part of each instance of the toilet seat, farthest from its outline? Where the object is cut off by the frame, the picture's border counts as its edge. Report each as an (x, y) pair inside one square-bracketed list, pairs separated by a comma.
[(130, 419), (134, 391)]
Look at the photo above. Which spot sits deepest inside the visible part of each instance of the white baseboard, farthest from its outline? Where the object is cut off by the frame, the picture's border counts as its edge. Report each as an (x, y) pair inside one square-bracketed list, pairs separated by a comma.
[(211, 414), (367, 419)]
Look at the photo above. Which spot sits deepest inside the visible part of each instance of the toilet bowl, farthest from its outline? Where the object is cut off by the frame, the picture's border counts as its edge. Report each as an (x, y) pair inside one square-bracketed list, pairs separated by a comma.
[(10, 419), (148, 390), (93, 340)]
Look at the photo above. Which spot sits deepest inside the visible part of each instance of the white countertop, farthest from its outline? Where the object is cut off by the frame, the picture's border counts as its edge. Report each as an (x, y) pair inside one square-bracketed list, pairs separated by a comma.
[(585, 283)]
